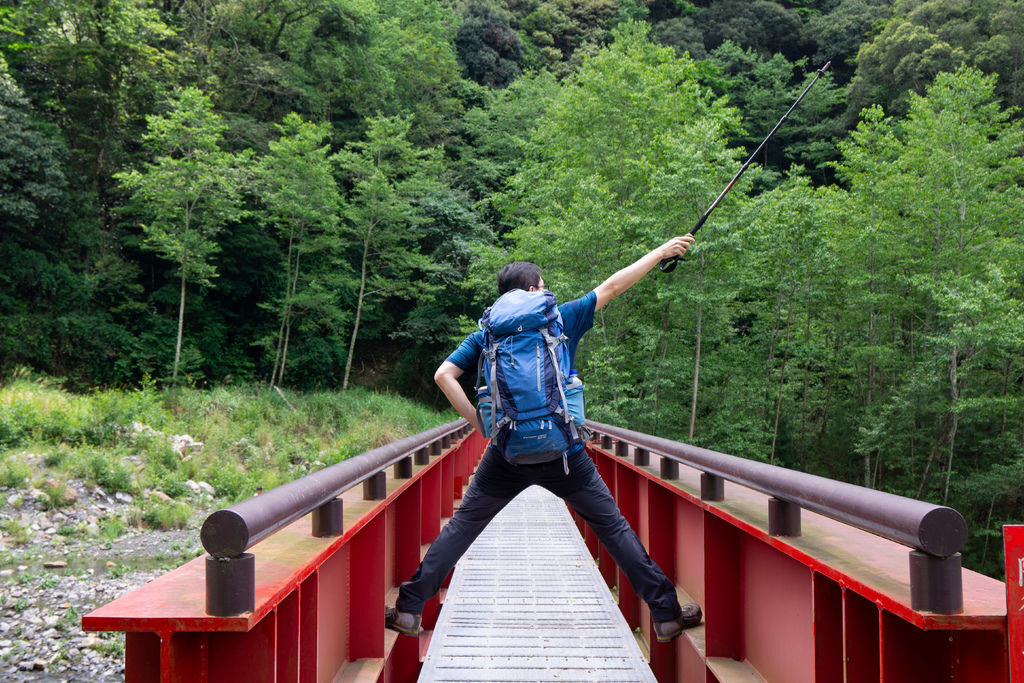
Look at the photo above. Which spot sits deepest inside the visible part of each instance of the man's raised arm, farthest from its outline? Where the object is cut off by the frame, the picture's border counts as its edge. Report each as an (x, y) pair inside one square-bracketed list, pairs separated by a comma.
[(630, 275)]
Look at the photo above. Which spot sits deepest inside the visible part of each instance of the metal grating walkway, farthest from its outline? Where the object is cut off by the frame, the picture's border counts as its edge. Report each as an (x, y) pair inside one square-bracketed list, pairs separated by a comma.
[(527, 603)]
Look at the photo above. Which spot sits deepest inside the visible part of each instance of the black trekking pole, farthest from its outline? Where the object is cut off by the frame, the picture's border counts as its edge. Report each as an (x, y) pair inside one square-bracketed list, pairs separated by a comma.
[(668, 265)]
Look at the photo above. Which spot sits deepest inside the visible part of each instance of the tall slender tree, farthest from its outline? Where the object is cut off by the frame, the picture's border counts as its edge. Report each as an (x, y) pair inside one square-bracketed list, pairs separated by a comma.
[(387, 174), (302, 200), (187, 194)]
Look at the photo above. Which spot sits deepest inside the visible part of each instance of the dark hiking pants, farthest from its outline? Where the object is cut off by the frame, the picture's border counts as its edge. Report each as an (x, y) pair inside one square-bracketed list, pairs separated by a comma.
[(497, 482)]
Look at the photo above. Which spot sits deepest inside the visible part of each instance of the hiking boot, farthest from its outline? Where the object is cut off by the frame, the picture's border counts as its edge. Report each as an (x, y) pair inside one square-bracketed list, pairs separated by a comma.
[(670, 630), (403, 622)]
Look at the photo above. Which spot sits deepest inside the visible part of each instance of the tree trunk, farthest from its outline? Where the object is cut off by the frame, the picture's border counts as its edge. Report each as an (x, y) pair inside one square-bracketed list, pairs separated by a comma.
[(696, 355), (988, 524), (696, 373), (778, 406), (1006, 390), (288, 319), (954, 390), (803, 408), (936, 444), (284, 315), (359, 310), (181, 326)]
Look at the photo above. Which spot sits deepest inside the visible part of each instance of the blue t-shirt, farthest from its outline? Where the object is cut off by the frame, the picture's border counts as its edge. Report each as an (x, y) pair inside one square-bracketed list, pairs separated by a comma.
[(577, 318)]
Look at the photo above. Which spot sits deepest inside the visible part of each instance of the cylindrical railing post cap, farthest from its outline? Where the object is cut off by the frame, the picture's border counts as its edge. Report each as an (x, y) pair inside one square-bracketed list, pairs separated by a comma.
[(230, 585), (376, 487), (403, 468), (712, 488), (224, 534)]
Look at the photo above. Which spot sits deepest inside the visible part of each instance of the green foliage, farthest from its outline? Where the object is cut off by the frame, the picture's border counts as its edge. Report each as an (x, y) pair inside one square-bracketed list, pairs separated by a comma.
[(489, 49), (109, 474), (303, 202), (111, 528), (171, 515), (928, 37), (763, 89), (631, 148), (188, 193), (768, 27), (14, 474), (386, 174), (32, 181), (15, 531)]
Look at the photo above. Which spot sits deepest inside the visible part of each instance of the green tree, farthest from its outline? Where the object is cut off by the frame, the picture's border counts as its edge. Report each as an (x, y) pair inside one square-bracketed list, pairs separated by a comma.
[(489, 49), (187, 194), (97, 66), (32, 180), (767, 27), (763, 89), (838, 33), (303, 202), (927, 37), (629, 152), (386, 174), (936, 211), (962, 155)]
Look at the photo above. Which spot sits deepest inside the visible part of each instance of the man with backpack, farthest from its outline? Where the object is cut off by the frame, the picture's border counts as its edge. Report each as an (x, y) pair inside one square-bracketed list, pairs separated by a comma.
[(531, 407)]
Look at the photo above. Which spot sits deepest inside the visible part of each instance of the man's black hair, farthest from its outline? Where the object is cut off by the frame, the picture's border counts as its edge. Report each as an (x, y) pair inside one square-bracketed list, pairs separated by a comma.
[(518, 275)]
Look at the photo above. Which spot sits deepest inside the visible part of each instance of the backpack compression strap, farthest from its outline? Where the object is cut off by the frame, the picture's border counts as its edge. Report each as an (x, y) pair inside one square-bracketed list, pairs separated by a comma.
[(552, 343)]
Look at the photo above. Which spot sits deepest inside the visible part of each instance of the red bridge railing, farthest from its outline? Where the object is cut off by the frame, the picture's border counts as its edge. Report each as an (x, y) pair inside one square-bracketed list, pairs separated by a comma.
[(307, 603), (791, 596), (800, 579)]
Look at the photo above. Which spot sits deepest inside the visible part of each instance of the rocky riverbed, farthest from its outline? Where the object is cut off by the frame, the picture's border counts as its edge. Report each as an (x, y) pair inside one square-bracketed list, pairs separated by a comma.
[(58, 564)]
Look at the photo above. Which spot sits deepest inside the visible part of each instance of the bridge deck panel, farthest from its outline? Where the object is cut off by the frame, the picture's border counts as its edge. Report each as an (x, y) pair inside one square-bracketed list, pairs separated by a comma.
[(527, 603)]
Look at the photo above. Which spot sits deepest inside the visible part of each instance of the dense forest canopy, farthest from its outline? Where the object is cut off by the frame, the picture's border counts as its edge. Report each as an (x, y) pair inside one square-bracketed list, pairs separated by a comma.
[(316, 193)]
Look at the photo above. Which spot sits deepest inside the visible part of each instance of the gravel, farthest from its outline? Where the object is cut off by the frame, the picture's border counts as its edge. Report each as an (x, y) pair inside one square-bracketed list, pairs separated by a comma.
[(57, 565)]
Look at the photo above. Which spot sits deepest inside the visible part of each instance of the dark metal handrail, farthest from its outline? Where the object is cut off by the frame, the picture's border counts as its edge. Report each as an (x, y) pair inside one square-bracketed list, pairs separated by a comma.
[(934, 529), (231, 531)]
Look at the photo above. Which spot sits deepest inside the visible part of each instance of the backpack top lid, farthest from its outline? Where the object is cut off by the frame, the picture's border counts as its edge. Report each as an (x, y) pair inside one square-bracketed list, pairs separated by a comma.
[(518, 310)]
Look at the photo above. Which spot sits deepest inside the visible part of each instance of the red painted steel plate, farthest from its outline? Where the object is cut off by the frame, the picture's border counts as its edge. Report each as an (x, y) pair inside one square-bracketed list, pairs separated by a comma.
[(1013, 539)]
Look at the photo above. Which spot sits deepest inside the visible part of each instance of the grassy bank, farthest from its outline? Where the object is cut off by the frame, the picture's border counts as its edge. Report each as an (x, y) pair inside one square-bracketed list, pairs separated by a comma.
[(146, 442)]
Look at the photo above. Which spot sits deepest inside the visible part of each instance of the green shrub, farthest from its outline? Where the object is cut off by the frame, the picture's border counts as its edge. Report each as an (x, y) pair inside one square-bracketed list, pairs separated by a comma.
[(173, 515), (111, 528), (58, 494), (14, 474), (109, 474), (231, 483), (14, 531)]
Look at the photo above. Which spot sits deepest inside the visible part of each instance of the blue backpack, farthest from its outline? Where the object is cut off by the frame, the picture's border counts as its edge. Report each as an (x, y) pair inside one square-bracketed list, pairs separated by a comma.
[(529, 407)]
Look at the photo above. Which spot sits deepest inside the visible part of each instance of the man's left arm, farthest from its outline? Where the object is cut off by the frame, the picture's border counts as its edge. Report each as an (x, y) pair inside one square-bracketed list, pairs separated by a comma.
[(623, 279)]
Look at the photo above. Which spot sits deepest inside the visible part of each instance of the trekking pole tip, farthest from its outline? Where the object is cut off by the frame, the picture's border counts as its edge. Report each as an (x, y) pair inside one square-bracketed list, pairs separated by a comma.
[(825, 68)]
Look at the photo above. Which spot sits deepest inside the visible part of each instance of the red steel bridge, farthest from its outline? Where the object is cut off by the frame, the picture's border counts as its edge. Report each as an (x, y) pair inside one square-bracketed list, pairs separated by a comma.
[(801, 578)]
